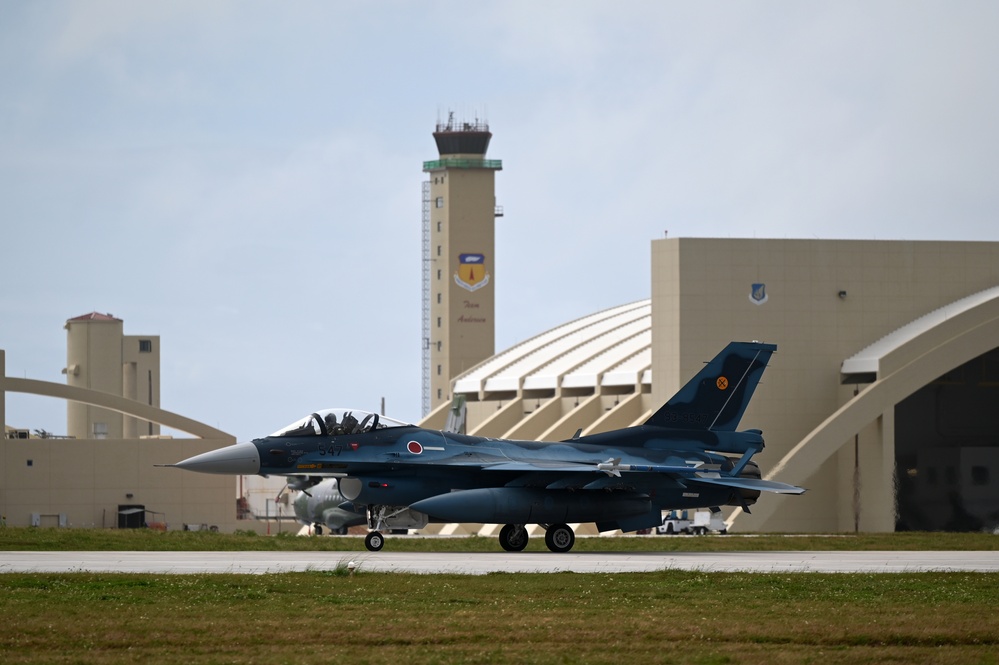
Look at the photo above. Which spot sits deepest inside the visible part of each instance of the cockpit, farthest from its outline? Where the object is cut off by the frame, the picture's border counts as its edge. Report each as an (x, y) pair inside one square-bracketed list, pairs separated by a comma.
[(336, 422)]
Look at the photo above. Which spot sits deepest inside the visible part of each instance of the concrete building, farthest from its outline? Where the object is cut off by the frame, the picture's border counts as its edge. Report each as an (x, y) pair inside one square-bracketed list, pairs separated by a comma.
[(881, 400), (459, 256), (105, 473), (99, 356)]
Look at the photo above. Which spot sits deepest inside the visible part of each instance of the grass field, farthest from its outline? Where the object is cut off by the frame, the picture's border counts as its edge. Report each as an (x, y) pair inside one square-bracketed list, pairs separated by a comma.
[(332, 616), (15, 538), (668, 617)]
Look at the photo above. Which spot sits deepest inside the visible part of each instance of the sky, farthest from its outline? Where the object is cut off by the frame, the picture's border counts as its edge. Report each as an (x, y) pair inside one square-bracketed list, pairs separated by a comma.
[(243, 178)]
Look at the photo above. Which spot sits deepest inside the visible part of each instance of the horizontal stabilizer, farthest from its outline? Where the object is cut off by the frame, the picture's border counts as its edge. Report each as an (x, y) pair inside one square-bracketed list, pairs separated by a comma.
[(751, 484)]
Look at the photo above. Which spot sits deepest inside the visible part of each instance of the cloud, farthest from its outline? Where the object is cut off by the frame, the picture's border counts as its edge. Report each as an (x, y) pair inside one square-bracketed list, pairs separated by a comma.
[(244, 178)]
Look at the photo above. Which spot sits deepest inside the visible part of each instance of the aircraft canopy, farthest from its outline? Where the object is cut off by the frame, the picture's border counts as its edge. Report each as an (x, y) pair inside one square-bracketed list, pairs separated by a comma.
[(333, 422)]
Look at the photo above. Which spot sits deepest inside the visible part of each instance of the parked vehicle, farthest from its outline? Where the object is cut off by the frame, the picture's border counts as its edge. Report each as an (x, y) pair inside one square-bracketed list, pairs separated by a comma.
[(679, 521)]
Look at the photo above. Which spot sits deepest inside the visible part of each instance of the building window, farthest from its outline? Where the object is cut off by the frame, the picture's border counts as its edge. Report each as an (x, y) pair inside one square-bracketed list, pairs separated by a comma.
[(439, 226), (980, 475), (438, 250), (100, 430), (438, 273), (438, 370), (438, 298), (439, 202), (438, 393), (145, 346), (439, 345), (438, 322)]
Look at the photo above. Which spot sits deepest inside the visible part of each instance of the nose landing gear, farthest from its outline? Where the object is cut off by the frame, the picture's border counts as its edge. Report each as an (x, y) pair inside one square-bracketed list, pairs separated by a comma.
[(374, 541)]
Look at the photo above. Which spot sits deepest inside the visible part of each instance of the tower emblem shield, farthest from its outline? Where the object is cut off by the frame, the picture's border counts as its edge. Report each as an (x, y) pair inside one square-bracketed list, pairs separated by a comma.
[(472, 274), (758, 294)]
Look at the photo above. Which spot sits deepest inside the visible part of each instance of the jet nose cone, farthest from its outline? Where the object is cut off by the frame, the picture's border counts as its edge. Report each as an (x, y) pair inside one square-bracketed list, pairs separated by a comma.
[(242, 459)]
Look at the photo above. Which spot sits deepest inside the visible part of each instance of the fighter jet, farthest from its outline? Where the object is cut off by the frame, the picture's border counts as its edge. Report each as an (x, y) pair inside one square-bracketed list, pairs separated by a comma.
[(687, 455), (319, 507)]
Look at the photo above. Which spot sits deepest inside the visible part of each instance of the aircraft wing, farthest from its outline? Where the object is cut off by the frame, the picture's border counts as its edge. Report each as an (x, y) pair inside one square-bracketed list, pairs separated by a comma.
[(613, 468), (610, 467), (540, 466), (751, 484)]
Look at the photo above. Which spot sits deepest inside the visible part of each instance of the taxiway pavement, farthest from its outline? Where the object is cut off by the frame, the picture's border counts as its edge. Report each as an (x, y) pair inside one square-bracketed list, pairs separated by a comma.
[(483, 563)]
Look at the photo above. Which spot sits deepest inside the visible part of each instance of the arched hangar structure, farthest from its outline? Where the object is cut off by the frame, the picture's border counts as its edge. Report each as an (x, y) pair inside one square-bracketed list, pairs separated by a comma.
[(122, 405), (937, 486), (593, 373)]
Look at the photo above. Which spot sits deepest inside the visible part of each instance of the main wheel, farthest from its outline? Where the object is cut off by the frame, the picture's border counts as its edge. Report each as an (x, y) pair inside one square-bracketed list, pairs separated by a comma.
[(374, 541), (513, 537), (560, 538)]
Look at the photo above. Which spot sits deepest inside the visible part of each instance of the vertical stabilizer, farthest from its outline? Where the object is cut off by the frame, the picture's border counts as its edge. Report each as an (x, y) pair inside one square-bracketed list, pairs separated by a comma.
[(718, 395)]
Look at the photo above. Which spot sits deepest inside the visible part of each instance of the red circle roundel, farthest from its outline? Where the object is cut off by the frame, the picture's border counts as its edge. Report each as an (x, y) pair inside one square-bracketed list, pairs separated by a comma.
[(414, 447)]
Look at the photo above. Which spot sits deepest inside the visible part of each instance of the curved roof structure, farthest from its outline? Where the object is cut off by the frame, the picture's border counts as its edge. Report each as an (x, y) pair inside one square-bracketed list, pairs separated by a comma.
[(868, 360), (608, 348), (114, 403), (903, 362)]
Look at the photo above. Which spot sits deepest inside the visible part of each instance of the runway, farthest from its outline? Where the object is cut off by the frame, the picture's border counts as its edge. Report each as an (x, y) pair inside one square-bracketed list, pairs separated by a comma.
[(255, 563)]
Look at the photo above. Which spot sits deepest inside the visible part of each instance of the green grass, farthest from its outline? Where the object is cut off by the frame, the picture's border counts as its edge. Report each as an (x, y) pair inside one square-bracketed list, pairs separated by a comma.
[(667, 617), (335, 616), (21, 538)]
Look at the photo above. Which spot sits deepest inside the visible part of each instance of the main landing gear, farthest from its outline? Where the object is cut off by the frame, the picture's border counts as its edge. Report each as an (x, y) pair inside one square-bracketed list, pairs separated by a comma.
[(512, 538), (558, 537)]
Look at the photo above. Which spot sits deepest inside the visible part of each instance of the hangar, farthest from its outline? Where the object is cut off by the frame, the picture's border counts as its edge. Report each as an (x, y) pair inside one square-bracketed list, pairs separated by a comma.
[(881, 398)]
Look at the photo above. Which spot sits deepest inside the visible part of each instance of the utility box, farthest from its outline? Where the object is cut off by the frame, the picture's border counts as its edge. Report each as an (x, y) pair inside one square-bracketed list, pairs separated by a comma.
[(41, 519)]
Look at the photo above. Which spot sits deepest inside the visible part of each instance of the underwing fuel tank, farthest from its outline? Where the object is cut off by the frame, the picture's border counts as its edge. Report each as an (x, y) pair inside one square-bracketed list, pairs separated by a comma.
[(390, 491), (521, 505)]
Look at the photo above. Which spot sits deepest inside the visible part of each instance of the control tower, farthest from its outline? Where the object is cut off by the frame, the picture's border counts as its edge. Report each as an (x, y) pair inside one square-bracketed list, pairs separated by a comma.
[(459, 220)]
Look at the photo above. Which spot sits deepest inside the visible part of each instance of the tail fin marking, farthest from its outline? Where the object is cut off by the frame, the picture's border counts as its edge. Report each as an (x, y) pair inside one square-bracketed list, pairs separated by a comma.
[(715, 399)]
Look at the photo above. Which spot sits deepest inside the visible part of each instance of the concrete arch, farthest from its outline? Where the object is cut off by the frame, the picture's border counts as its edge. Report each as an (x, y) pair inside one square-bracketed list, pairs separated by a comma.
[(114, 403), (902, 371)]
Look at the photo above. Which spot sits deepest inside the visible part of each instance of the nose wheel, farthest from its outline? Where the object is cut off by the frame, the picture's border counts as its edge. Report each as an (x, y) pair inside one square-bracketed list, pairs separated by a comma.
[(374, 541)]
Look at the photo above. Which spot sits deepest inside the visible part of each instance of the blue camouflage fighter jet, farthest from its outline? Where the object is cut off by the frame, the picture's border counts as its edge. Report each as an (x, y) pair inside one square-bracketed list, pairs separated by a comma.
[(400, 476)]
